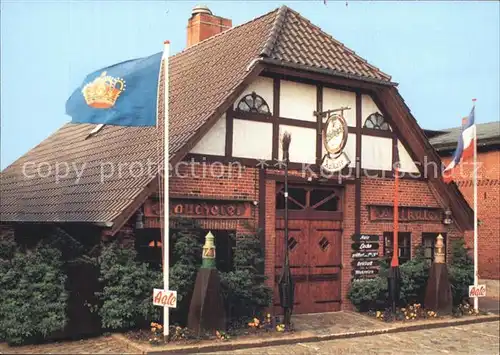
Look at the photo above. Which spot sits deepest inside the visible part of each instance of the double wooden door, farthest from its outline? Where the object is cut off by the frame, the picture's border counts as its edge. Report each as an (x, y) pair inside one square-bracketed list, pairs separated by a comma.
[(315, 260)]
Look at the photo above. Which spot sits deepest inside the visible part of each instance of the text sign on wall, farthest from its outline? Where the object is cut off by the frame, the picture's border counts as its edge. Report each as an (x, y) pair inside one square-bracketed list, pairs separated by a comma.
[(200, 209), (164, 298), (406, 214), (479, 291), (365, 238)]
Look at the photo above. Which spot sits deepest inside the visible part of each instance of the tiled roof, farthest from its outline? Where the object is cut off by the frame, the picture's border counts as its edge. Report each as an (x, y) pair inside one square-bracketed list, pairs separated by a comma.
[(487, 134), (201, 79)]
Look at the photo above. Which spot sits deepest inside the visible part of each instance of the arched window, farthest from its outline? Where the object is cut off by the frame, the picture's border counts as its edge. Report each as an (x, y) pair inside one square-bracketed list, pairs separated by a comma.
[(377, 121), (253, 103)]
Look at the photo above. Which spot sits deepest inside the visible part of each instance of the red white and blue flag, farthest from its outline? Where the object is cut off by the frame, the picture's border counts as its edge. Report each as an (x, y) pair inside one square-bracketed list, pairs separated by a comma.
[(465, 146)]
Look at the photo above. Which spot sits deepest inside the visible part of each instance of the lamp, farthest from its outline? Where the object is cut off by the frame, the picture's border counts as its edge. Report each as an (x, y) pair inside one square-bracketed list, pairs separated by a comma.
[(447, 217), (139, 223)]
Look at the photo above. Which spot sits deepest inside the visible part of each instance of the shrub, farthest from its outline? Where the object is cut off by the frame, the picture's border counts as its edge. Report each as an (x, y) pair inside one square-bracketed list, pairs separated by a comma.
[(245, 292), (414, 275), (33, 298), (368, 294), (126, 297), (461, 272)]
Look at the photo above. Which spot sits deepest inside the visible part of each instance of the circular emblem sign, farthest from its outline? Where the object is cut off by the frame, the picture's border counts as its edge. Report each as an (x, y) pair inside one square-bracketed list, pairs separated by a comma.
[(335, 134)]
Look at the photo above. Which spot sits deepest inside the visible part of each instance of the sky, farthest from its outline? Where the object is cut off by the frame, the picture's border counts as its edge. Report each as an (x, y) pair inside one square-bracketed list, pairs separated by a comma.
[(442, 54)]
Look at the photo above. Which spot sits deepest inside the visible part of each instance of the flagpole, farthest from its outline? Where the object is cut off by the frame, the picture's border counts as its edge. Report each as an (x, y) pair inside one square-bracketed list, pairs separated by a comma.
[(474, 176), (166, 209)]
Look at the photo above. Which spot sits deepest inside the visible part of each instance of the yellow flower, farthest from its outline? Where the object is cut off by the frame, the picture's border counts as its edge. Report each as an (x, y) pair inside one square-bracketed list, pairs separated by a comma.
[(153, 329), (407, 317)]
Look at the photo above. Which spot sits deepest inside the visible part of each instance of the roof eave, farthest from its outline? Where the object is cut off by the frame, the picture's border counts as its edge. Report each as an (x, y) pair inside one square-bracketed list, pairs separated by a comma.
[(330, 72)]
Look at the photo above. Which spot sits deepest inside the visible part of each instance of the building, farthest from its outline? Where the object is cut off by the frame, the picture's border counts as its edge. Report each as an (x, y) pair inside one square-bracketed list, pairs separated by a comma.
[(233, 92), (488, 147)]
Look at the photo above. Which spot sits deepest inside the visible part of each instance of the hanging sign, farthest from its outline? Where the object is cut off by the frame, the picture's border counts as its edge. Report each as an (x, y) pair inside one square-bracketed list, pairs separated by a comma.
[(164, 298), (335, 135), (477, 291), (364, 246), (365, 238)]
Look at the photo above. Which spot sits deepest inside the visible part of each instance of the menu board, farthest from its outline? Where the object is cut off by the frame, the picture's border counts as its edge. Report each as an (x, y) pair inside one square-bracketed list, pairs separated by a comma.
[(365, 257)]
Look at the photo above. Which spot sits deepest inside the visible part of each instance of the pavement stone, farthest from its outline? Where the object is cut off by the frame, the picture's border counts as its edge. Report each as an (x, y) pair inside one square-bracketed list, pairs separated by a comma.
[(100, 345), (481, 338)]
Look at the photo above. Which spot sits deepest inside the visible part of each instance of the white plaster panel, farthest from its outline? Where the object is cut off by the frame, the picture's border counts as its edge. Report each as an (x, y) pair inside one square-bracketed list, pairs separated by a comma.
[(303, 145), (368, 106), (406, 162), (349, 149), (297, 100), (263, 87), (333, 99), (252, 139), (376, 153), (214, 141)]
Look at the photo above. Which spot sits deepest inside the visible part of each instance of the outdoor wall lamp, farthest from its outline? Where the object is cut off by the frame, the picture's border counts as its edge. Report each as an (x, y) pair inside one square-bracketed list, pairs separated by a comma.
[(447, 217), (139, 223)]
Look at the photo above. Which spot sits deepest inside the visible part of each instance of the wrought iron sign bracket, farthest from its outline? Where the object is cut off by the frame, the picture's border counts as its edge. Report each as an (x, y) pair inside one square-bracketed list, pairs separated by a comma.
[(328, 112)]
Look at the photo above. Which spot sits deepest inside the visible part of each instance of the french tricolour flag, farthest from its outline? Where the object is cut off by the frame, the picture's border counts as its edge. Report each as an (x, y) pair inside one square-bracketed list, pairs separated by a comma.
[(465, 146)]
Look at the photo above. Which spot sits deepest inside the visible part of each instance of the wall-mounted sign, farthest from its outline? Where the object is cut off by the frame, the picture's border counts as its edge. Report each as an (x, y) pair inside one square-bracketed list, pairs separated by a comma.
[(364, 272), (335, 135), (200, 209), (364, 255), (406, 214), (360, 263), (361, 246), (365, 238)]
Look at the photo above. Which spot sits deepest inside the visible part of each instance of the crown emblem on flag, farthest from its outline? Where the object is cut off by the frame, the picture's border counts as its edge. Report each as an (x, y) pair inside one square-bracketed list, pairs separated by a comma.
[(103, 91)]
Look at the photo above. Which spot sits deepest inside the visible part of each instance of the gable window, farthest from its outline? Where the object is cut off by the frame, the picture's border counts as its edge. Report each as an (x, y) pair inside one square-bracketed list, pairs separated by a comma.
[(429, 242), (253, 103), (377, 121), (404, 246)]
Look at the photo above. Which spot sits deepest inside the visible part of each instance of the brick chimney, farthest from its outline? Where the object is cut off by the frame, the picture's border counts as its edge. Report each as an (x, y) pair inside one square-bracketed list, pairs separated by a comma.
[(203, 25)]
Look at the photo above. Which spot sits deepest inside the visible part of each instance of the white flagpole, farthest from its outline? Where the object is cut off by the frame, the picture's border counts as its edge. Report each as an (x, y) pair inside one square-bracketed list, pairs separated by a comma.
[(166, 236), (474, 177)]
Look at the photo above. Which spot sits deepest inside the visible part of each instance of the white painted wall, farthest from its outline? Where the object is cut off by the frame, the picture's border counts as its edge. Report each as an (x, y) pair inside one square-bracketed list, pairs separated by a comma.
[(349, 149), (368, 106), (376, 153), (297, 100), (252, 139), (333, 99), (262, 87), (303, 145), (406, 162), (214, 141)]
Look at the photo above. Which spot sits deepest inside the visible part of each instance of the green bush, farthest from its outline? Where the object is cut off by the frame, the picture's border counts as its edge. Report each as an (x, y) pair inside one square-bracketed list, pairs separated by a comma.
[(126, 297), (461, 272), (368, 294), (414, 275), (244, 289), (32, 293)]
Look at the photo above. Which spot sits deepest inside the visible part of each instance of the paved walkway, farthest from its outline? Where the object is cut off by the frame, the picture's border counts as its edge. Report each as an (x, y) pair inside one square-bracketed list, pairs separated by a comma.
[(482, 338)]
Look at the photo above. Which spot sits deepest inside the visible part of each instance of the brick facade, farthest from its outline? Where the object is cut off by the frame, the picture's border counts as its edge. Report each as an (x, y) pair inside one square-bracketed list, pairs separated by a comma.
[(243, 183), (488, 209)]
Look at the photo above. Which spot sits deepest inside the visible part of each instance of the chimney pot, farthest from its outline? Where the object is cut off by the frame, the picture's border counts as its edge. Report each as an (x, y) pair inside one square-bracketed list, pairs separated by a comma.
[(203, 24)]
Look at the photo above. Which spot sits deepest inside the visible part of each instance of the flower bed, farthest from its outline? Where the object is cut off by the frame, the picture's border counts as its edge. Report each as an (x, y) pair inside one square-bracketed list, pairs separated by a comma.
[(266, 326), (416, 312)]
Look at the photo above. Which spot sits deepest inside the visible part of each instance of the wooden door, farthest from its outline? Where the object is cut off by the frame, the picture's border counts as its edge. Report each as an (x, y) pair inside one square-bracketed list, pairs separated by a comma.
[(315, 254)]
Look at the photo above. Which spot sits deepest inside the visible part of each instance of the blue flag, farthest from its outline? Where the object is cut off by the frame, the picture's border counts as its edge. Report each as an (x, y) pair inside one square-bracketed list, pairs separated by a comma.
[(123, 94)]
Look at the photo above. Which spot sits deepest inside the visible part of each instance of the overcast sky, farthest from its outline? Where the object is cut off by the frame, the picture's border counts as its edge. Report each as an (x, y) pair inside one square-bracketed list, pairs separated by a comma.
[(442, 54)]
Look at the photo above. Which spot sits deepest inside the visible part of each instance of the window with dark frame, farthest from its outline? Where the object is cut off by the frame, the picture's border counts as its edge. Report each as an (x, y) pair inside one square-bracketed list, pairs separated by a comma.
[(253, 103), (429, 242), (404, 246), (307, 198), (377, 121)]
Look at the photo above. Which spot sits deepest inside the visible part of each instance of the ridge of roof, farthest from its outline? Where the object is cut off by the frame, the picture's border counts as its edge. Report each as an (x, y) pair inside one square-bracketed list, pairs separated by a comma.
[(275, 31), (350, 51)]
